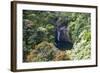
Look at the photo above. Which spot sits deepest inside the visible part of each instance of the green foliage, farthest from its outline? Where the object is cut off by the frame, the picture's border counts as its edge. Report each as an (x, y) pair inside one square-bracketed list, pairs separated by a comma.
[(82, 48), (38, 36), (81, 35), (46, 52)]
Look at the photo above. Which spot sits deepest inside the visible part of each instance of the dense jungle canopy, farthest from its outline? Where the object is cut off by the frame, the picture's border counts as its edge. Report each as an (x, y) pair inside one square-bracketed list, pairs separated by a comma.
[(38, 36)]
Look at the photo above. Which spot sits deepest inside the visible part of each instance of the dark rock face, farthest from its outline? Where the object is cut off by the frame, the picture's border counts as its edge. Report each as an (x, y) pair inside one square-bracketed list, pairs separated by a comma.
[(62, 39)]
